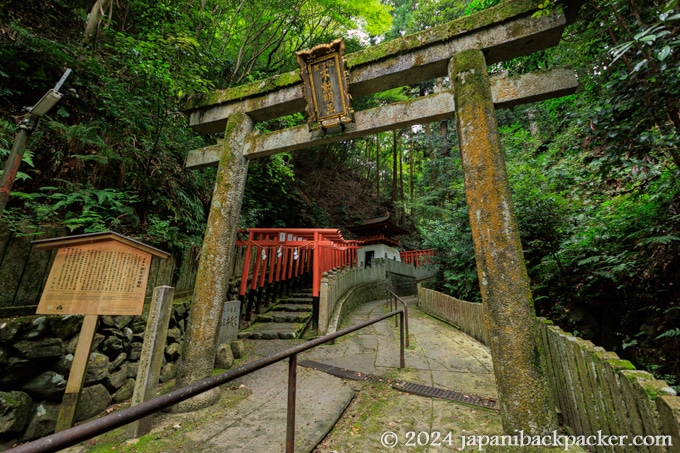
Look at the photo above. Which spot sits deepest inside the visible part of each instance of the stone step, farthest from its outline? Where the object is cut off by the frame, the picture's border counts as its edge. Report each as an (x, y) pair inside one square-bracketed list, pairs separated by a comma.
[(291, 307), (297, 300), (273, 330), (284, 316)]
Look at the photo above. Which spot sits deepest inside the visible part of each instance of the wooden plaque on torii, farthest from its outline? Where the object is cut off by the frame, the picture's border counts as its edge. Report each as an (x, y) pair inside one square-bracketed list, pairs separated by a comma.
[(324, 78)]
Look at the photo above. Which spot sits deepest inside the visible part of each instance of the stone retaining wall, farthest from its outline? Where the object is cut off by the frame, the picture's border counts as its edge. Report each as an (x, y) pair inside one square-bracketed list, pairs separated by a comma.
[(422, 272), (353, 298), (335, 284), (36, 353), (594, 389)]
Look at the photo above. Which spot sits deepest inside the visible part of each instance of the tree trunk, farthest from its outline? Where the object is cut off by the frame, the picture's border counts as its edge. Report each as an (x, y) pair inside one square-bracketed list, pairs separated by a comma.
[(377, 166), (674, 116), (395, 181), (402, 211), (444, 130), (95, 18), (411, 188)]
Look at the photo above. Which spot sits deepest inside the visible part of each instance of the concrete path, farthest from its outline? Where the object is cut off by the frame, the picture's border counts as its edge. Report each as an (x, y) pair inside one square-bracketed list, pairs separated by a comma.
[(381, 418), (339, 415)]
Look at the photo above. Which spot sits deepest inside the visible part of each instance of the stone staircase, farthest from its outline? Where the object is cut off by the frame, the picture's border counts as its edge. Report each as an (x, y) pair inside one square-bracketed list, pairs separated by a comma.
[(286, 320)]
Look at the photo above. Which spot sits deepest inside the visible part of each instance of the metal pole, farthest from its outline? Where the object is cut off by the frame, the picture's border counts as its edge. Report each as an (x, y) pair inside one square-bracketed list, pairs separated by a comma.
[(406, 324), (290, 420), (26, 126), (402, 359), (391, 296)]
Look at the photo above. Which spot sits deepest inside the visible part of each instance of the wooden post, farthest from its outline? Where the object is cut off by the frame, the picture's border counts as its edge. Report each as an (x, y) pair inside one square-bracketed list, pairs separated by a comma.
[(246, 266), (76, 378), (151, 360)]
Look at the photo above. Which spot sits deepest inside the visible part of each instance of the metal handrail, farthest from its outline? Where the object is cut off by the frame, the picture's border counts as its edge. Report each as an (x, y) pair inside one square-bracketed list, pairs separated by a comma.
[(79, 433), (391, 295)]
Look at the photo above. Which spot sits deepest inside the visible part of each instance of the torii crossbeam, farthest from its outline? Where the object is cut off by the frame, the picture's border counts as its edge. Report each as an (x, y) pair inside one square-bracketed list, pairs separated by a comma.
[(461, 49)]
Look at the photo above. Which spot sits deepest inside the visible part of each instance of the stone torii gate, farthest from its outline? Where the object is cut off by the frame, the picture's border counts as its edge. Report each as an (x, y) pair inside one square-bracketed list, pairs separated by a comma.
[(461, 49)]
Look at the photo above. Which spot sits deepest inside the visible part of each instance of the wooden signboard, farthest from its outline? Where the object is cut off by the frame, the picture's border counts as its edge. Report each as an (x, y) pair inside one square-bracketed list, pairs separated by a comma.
[(93, 274), (97, 274)]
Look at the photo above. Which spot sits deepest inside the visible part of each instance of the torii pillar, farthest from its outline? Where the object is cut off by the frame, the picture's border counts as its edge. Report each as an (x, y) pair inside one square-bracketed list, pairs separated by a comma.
[(217, 257), (503, 32), (519, 363)]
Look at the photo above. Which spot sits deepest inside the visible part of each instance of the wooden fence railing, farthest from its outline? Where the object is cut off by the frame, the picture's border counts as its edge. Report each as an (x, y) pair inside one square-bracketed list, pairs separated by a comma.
[(467, 316), (597, 393)]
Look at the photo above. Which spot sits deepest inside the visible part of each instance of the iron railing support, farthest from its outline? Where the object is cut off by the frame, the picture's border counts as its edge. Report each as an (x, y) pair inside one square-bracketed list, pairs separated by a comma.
[(391, 295), (292, 388)]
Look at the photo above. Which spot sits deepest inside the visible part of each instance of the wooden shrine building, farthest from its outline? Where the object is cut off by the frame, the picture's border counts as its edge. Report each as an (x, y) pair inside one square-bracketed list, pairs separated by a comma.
[(378, 238)]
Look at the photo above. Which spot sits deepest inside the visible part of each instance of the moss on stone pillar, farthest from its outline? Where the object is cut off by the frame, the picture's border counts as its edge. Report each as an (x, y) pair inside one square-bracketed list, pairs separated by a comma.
[(217, 257), (519, 362)]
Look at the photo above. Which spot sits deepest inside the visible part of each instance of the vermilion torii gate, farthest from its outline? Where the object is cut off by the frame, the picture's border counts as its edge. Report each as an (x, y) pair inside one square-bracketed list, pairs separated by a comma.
[(281, 254), (461, 49)]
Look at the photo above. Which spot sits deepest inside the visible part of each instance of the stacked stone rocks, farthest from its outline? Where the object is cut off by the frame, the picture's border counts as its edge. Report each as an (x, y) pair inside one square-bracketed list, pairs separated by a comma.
[(35, 360)]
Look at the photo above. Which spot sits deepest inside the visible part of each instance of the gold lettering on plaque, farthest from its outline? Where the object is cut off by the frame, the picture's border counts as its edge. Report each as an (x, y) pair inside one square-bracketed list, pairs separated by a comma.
[(326, 85), (324, 77)]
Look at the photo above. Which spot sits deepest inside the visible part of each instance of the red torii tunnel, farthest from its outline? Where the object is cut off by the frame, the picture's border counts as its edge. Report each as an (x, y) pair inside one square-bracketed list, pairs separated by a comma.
[(277, 259)]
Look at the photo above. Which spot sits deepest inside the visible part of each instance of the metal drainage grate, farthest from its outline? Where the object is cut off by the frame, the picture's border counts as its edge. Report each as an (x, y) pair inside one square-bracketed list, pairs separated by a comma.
[(342, 372), (452, 395), (408, 387)]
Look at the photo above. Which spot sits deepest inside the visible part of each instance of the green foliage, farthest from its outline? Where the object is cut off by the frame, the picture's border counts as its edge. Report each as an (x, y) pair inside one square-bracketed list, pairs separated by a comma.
[(82, 208), (429, 13), (669, 333), (267, 201), (455, 253), (658, 36), (443, 220), (546, 8), (479, 5)]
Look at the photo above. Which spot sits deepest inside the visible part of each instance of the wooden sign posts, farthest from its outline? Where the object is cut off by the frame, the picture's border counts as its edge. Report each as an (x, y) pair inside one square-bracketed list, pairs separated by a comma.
[(93, 274)]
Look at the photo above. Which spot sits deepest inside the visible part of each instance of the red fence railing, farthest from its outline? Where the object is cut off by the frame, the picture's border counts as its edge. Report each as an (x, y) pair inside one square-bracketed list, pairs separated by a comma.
[(277, 258), (418, 257)]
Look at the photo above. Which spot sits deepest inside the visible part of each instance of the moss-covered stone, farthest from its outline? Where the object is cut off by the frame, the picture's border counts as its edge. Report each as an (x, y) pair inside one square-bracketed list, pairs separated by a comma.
[(9, 328), (15, 411), (372, 54), (243, 91), (519, 363), (93, 400), (620, 364)]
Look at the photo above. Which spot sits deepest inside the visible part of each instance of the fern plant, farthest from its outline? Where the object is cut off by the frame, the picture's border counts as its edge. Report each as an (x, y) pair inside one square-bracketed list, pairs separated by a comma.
[(84, 207), (671, 333)]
